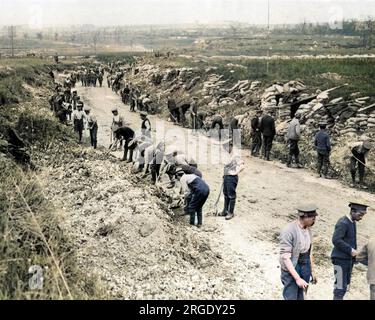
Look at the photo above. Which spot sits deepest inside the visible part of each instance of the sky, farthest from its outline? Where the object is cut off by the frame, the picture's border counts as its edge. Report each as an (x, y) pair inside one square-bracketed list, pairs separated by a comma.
[(47, 13)]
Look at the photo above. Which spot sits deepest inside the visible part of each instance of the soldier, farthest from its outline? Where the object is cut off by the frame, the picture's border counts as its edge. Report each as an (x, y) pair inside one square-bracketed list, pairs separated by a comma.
[(297, 267), (173, 110), (74, 100), (293, 136), (132, 99), (78, 116), (125, 94), (256, 134), (100, 79), (117, 122), (146, 124), (232, 169), (109, 80), (92, 125), (157, 160), (267, 127), (323, 149), (194, 113), (197, 191), (127, 134), (358, 161), (345, 248), (217, 126)]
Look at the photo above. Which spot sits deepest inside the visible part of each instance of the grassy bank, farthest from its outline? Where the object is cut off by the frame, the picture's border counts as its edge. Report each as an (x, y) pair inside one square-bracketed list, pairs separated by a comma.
[(30, 225)]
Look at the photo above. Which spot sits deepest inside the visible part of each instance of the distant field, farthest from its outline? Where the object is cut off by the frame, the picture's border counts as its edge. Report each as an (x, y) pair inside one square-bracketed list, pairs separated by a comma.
[(209, 45)]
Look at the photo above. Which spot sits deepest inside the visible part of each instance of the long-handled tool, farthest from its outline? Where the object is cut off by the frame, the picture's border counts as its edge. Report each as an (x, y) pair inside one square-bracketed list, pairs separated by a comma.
[(216, 209), (371, 170)]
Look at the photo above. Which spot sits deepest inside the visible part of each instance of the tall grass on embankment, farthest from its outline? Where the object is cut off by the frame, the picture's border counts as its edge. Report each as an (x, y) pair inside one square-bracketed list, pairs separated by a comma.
[(32, 241)]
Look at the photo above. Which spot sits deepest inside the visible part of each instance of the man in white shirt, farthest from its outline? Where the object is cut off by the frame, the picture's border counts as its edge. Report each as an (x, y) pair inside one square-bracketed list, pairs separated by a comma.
[(92, 126), (78, 117), (232, 168)]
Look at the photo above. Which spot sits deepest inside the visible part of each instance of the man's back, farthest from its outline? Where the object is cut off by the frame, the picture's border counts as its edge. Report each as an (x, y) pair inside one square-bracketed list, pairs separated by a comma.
[(322, 141), (268, 126)]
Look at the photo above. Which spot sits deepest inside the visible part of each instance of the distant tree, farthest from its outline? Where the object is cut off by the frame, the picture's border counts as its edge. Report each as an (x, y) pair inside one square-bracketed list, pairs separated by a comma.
[(366, 30), (95, 39), (39, 36), (56, 36)]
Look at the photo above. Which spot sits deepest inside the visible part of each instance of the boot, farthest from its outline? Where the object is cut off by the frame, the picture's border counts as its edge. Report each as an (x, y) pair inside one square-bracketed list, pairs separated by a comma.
[(289, 163), (299, 166), (268, 156), (229, 216)]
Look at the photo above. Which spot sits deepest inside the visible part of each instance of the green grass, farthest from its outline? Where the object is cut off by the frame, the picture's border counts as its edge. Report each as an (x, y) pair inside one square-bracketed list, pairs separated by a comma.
[(30, 225), (358, 73)]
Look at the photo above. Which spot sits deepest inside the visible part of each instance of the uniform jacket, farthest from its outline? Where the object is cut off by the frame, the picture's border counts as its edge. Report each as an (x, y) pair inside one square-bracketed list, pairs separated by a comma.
[(267, 126), (322, 142), (344, 239)]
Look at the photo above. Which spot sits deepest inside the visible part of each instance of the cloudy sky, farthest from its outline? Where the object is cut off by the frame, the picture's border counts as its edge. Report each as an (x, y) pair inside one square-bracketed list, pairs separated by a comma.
[(43, 13)]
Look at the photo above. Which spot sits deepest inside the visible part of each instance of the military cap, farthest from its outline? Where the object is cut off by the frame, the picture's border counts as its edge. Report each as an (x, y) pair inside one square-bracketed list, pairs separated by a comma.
[(358, 206), (367, 145), (114, 109), (80, 104), (143, 114), (307, 209), (87, 109)]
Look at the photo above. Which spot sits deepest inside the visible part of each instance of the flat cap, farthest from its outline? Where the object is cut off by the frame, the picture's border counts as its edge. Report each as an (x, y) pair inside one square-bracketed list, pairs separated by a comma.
[(143, 114), (307, 208), (114, 109)]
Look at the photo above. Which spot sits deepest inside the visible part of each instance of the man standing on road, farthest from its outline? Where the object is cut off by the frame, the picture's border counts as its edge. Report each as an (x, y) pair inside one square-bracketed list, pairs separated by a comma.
[(367, 257), (78, 116), (323, 149), (345, 248), (297, 267), (230, 181), (293, 135), (256, 134), (358, 161), (92, 125), (268, 129)]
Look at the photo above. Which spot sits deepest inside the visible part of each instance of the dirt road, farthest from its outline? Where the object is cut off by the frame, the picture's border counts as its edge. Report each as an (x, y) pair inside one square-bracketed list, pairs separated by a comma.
[(268, 192)]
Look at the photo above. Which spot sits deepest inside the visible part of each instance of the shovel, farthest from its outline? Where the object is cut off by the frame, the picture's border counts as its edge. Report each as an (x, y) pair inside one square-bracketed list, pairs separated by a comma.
[(216, 209)]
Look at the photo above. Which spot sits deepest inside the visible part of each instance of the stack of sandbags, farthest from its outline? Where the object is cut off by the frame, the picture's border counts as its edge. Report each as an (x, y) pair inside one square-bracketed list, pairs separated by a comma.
[(213, 86), (371, 122)]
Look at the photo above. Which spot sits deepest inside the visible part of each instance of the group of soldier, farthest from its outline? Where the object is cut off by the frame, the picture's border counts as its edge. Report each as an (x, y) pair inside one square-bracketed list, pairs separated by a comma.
[(156, 159), (296, 253), (263, 133), (91, 77)]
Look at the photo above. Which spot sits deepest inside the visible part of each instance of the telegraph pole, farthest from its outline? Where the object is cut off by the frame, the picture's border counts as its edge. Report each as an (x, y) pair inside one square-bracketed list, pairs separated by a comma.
[(268, 36), (11, 34)]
